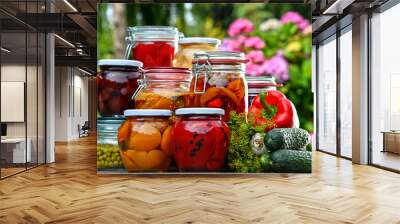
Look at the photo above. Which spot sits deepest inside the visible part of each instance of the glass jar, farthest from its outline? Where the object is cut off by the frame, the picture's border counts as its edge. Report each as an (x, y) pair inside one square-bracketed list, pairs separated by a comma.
[(190, 45), (107, 143), (153, 45), (258, 84), (163, 88), (144, 140), (116, 83), (200, 139), (219, 82)]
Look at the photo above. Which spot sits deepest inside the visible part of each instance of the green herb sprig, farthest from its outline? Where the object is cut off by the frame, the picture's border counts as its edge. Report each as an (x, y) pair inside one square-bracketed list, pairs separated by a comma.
[(240, 156)]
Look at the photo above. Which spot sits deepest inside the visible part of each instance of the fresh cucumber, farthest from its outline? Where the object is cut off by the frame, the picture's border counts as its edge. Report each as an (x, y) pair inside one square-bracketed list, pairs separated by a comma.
[(286, 138), (291, 161)]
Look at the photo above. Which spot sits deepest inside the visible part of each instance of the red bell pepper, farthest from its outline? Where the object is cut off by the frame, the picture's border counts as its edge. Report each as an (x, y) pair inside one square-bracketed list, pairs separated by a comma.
[(273, 109)]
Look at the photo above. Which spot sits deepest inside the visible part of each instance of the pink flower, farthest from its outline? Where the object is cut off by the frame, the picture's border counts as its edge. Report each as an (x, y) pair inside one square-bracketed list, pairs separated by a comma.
[(296, 18), (240, 26), (235, 44), (307, 30), (254, 42), (254, 69), (277, 66), (255, 56)]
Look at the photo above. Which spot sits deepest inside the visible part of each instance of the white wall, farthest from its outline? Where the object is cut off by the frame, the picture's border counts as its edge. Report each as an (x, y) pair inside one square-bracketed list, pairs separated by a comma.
[(71, 102)]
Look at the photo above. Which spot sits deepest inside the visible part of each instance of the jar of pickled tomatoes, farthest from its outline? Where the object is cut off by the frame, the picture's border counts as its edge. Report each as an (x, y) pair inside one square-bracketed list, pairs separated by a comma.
[(153, 45), (116, 83), (190, 45), (144, 140), (200, 139), (219, 82), (163, 88)]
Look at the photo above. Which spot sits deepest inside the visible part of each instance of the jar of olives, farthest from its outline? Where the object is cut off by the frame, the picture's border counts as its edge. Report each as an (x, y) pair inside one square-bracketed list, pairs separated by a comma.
[(163, 88), (107, 143), (116, 83), (144, 140), (190, 45)]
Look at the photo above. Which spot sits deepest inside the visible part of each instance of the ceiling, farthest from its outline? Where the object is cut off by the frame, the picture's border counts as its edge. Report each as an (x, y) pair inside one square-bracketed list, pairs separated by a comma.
[(74, 22)]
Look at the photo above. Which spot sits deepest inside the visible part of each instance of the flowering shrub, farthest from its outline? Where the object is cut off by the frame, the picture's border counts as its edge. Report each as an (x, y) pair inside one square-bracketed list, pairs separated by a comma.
[(279, 48)]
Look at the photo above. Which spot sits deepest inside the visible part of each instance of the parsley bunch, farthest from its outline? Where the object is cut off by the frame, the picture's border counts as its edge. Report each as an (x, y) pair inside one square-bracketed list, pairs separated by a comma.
[(240, 156)]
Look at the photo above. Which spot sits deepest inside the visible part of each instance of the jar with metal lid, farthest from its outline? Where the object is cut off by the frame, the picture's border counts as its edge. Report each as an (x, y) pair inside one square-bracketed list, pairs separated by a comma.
[(258, 84), (163, 88), (200, 139), (144, 140), (190, 45), (153, 45), (116, 83), (219, 81), (108, 155)]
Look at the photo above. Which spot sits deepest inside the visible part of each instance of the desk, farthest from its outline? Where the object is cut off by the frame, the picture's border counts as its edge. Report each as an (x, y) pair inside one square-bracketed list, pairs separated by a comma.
[(17, 147), (391, 141)]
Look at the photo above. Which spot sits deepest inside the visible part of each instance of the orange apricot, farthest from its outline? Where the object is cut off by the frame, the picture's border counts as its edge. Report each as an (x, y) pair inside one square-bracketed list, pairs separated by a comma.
[(146, 139), (149, 160), (124, 131), (166, 141), (128, 163), (156, 158)]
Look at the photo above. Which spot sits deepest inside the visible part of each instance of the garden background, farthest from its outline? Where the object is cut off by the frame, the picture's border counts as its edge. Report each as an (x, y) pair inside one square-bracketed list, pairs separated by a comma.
[(275, 37)]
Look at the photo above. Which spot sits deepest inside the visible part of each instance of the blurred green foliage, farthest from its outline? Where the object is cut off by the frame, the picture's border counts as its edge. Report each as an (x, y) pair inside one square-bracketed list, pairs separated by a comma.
[(213, 20), (201, 19)]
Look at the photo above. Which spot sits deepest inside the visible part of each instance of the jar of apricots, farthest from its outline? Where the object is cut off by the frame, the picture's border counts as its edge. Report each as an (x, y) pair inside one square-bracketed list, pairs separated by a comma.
[(219, 82), (190, 45), (144, 140), (163, 88)]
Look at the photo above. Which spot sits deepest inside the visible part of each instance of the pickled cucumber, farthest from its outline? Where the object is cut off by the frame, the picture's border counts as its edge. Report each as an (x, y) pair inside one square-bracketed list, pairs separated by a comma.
[(108, 156)]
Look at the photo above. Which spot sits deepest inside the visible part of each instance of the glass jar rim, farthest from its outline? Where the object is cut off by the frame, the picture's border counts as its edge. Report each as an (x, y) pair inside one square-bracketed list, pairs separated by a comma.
[(119, 63), (168, 73), (147, 113), (219, 57), (200, 111), (153, 33), (199, 40), (262, 81)]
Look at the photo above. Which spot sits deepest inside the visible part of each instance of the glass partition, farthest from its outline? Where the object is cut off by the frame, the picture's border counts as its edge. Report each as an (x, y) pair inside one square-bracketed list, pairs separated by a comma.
[(346, 92), (385, 89), (22, 89), (327, 95)]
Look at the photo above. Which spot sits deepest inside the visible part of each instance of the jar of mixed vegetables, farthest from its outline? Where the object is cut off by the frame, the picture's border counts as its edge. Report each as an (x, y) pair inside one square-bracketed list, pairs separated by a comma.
[(116, 83), (163, 88), (219, 82), (190, 45), (200, 139), (153, 45), (144, 140), (107, 143)]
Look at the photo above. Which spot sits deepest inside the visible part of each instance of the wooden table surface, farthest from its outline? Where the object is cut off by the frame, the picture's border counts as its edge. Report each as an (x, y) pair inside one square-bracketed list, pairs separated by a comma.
[(70, 191)]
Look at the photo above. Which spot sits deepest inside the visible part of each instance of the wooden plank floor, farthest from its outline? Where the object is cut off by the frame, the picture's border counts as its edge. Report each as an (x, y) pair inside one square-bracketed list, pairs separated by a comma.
[(69, 191)]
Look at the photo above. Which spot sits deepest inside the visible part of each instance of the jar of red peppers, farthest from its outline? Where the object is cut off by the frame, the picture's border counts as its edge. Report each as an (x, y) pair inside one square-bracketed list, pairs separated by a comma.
[(219, 81), (163, 88), (116, 83), (153, 45), (190, 45), (144, 140), (200, 139)]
